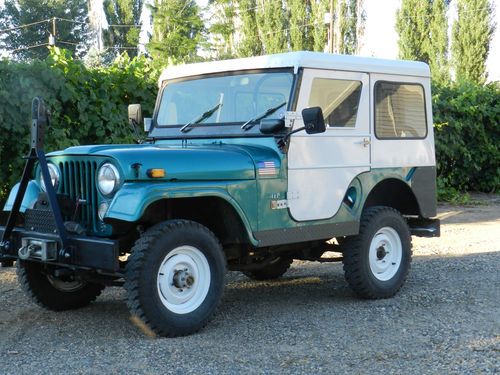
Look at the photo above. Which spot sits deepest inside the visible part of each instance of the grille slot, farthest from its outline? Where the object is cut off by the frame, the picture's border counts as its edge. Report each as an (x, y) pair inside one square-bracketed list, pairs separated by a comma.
[(78, 182)]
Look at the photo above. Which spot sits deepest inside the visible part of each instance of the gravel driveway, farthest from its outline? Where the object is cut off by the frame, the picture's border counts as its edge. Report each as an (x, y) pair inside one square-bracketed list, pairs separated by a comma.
[(445, 320)]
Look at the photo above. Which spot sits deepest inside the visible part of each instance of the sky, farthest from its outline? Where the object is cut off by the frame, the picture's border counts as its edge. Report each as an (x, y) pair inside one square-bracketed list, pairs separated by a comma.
[(381, 39)]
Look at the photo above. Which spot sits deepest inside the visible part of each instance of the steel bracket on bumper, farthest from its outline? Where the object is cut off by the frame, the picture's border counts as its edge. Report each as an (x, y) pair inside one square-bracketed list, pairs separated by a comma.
[(80, 252)]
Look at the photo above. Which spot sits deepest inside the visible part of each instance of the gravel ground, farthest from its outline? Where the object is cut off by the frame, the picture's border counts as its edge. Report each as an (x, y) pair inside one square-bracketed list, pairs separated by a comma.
[(446, 319)]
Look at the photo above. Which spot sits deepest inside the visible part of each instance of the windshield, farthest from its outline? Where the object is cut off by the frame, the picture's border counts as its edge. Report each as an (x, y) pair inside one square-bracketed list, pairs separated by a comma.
[(223, 100)]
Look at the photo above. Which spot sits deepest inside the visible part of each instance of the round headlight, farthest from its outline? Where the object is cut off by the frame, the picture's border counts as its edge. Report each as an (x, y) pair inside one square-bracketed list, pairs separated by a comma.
[(55, 176), (108, 179)]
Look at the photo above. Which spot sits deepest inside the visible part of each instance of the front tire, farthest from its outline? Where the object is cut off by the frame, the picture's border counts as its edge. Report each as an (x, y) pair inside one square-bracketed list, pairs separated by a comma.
[(175, 277), (56, 294), (377, 260)]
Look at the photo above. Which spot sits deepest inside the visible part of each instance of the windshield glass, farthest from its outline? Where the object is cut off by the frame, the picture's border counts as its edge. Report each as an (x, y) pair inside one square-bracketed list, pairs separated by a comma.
[(232, 99)]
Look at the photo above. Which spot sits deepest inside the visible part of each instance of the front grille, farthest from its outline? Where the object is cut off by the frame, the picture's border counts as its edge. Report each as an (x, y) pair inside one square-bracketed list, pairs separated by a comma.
[(78, 182), (39, 220)]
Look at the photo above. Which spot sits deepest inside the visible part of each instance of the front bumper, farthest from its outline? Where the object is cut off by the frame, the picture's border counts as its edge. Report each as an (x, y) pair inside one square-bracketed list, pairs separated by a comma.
[(82, 252)]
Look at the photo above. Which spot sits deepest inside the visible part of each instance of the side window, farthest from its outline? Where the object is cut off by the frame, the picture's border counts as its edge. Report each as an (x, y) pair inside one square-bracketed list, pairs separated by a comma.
[(339, 100), (399, 110)]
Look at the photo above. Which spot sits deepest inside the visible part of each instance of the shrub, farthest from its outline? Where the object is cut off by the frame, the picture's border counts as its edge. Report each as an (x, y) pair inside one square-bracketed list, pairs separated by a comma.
[(87, 105), (467, 132)]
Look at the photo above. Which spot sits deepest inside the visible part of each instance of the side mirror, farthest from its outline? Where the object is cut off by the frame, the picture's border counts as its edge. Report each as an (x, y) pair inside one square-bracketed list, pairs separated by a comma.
[(270, 126), (314, 122), (135, 114)]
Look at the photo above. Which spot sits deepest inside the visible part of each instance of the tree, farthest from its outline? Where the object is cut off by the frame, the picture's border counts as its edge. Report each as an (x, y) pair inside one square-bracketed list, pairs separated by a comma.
[(412, 25), (471, 37), (349, 21), (123, 12), (272, 25), (301, 25), (223, 27), (320, 35), (438, 41), (20, 42), (177, 31)]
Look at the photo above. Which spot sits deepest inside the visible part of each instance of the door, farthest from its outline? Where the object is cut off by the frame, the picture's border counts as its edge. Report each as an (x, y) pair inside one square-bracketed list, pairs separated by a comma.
[(321, 166)]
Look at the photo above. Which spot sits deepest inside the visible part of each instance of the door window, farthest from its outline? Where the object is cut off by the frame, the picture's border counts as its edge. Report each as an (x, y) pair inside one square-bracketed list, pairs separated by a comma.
[(339, 100)]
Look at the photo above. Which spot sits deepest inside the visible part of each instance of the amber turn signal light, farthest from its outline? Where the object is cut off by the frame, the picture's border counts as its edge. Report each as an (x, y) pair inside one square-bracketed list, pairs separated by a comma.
[(156, 173)]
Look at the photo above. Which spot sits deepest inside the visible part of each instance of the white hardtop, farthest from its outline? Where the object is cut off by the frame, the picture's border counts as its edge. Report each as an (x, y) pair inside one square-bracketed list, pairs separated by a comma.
[(296, 60)]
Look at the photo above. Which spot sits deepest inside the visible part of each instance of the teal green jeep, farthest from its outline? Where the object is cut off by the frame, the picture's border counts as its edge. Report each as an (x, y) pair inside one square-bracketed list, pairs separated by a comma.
[(247, 165)]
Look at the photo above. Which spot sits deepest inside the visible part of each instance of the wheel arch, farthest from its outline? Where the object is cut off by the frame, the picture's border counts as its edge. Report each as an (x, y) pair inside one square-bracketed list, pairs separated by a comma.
[(213, 212), (392, 192)]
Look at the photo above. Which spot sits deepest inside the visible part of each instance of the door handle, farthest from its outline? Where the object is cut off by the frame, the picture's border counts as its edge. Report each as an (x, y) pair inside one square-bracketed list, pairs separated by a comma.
[(365, 142)]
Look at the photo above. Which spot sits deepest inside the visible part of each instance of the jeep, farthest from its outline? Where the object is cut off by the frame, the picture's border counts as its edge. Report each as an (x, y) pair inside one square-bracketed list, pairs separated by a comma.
[(247, 165)]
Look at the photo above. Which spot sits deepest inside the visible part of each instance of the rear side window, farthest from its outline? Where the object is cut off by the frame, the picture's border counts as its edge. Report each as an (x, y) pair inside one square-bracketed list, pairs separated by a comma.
[(399, 110), (339, 100)]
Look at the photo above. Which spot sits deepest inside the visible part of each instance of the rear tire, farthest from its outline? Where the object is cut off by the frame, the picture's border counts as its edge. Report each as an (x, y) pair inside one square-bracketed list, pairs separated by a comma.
[(175, 277), (377, 260), (55, 293)]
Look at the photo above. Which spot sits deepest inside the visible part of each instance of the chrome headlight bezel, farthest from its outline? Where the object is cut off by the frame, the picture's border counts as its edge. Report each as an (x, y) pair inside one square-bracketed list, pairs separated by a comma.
[(55, 176), (108, 179)]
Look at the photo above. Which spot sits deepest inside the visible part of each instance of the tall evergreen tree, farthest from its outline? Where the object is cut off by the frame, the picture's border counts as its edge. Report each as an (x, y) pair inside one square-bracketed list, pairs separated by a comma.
[(471, 37), (412, 25), (349, 25), (123, 12), (223, 27), (177, 31), (320, 32), (22, 12), (438, 41), (301, 25), (249, 43), (272, 25)]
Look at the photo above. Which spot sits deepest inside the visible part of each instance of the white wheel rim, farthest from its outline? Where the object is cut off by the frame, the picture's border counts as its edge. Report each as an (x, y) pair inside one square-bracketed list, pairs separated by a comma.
[(385, 253), (183, 279)]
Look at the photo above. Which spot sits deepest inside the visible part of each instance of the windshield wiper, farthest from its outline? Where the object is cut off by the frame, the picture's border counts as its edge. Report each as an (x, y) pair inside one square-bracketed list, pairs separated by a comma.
[(201, 118), (251, 123)]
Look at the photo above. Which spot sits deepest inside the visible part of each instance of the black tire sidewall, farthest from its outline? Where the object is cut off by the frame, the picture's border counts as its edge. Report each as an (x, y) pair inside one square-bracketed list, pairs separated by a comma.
[(156, 312)]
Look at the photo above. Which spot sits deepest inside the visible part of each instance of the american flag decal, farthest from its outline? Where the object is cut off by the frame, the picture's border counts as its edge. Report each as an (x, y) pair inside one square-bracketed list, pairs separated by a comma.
[(266, 168)]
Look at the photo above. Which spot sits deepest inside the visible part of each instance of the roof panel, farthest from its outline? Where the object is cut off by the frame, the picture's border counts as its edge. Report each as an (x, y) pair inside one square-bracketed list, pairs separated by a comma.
[(296, 60)]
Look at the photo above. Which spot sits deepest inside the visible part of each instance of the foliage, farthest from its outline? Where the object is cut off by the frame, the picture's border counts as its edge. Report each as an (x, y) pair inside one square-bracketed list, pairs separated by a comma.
[(348, 26), (272, 24), (413, 28), (21, 12), (467, 133), (177, 31), (88, 106), (223, 27), (471, 37), (123, 12), (301, 27), (438, 41)]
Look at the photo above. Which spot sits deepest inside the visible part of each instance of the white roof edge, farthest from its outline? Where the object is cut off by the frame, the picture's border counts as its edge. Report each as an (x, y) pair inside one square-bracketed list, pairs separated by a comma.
[(295, 60)]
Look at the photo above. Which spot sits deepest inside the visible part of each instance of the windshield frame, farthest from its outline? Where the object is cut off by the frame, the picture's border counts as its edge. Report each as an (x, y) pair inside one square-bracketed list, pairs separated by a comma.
[(211, 130)]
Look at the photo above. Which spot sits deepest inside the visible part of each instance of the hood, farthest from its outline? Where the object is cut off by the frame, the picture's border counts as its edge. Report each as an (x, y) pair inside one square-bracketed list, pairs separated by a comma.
[(194, 162)]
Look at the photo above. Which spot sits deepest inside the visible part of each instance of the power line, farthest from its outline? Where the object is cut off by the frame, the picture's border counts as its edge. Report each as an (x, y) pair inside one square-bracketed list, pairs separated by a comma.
[(24, 26)]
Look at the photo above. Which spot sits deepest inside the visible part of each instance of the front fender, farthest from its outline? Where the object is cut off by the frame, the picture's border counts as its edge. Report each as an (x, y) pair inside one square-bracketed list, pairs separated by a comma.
[(132, 200), (30, 197)]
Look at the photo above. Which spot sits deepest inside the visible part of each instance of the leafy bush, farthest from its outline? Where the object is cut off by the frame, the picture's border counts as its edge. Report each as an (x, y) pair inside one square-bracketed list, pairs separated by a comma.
[(467, 132), (87, 105)]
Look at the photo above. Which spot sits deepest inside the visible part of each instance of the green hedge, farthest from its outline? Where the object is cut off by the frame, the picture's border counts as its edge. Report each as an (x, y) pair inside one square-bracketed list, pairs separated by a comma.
[(467, 133), (89, 106)]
